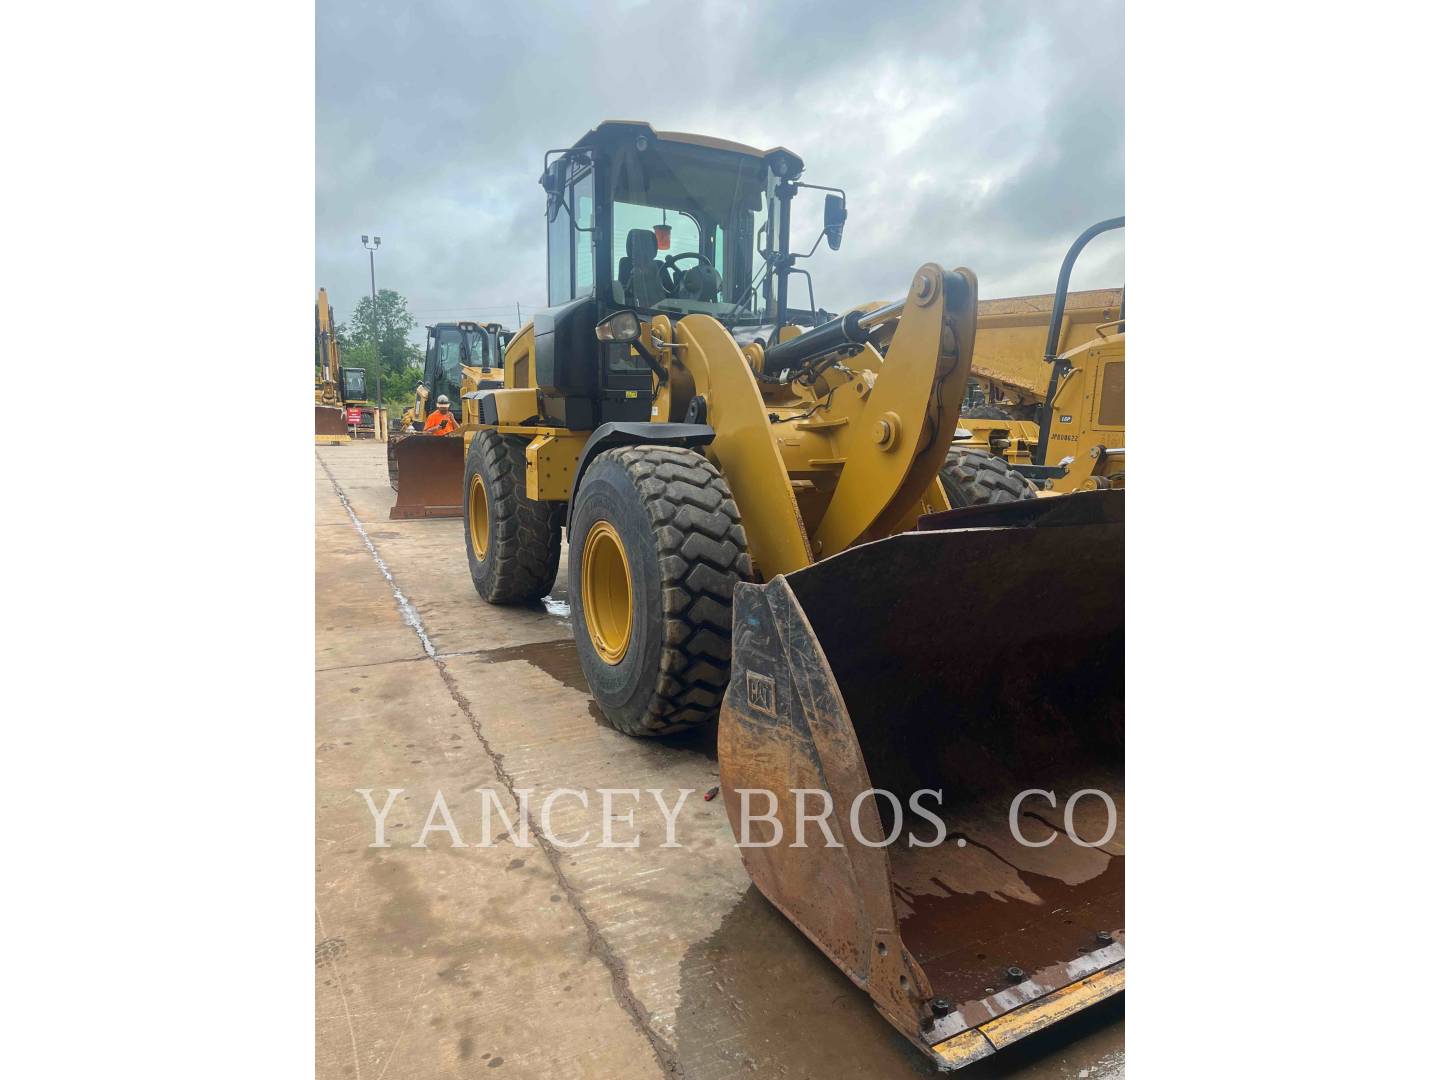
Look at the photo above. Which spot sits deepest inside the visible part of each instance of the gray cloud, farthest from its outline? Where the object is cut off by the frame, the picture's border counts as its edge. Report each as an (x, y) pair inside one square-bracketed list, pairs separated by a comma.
[(986, 134)]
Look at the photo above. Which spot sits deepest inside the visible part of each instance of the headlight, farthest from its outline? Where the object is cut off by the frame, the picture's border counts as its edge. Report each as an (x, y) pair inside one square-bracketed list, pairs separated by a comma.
[(623, 327)]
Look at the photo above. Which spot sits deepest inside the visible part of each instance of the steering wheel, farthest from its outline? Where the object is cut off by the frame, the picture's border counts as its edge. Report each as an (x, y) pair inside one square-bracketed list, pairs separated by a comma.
[(672, 272)]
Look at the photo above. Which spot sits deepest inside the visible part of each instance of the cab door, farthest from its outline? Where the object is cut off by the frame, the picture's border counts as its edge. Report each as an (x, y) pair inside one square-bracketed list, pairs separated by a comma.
[(449, 355)]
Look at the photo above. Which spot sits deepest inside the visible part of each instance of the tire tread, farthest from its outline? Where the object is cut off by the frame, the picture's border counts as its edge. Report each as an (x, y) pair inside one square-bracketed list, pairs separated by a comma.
[(702, 555), (526, 544), (977, 478)]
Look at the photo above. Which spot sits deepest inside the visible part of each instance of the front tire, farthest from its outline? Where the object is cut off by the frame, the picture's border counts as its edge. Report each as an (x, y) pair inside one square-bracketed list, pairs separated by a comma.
[(656, 548), (512, 542)]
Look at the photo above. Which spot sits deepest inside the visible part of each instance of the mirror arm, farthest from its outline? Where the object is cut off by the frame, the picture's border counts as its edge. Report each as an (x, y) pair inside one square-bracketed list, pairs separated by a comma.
[(813, 247), (821, 187), (574, 223), (649, 358)]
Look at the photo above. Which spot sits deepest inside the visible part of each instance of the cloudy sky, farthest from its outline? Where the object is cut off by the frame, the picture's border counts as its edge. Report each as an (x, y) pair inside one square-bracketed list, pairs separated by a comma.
[(965, 132)]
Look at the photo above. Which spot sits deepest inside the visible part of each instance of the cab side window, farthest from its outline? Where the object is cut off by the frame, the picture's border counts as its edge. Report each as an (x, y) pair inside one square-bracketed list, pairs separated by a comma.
[(558, 248), (582, 198), (570, 244)]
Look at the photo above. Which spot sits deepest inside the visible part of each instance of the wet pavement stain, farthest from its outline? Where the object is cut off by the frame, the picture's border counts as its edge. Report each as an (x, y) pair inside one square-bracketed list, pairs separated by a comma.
[(757, 997), (558, 659), (410, 926), (561, 661)]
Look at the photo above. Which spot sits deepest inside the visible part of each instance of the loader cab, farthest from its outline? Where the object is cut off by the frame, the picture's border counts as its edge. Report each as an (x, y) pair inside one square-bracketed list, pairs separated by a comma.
[(664, 224), (451, 346)]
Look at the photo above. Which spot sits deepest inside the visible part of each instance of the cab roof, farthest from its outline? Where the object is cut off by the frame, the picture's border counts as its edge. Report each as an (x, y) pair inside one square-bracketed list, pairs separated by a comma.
[(612, 129)]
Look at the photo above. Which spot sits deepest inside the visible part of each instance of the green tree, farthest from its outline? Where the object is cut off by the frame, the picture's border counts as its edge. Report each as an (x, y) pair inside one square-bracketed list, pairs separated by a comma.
[(398, 388), (386, 320)]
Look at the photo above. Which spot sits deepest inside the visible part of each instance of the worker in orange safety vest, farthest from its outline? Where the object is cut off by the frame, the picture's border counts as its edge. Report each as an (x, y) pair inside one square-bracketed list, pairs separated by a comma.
[(440, 422)]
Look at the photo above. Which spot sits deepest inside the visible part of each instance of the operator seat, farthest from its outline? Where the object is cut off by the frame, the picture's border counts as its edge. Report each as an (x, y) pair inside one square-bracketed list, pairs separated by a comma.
[(640, 271)]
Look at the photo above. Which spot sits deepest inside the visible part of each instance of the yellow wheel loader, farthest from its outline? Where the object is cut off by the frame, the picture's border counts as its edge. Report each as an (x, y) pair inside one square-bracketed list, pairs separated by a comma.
[(426, 469), (757, 527), (1051, 377)]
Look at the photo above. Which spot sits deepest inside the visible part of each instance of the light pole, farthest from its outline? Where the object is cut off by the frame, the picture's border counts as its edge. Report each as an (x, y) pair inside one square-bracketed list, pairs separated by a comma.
[(375, 324)]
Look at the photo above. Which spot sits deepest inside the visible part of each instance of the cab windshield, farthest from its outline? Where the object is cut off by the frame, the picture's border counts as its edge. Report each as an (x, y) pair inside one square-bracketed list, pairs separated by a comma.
[(354, 380), (685, 220), (477, 345)]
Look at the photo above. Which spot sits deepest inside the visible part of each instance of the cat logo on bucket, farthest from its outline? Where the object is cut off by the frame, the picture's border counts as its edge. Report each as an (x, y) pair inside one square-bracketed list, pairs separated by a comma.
[(760, 692)]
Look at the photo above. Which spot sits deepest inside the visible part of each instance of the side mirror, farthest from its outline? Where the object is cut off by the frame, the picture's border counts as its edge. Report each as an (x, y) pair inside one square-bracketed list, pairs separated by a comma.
[(553, 181), (834, 220)]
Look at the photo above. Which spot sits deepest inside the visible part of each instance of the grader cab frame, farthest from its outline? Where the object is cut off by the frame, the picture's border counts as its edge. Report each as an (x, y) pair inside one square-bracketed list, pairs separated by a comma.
[(1053, 415)]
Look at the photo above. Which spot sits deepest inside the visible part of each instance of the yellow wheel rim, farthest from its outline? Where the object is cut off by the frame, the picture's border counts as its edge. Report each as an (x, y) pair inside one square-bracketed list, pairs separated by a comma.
[(479, 515), (605, 592)]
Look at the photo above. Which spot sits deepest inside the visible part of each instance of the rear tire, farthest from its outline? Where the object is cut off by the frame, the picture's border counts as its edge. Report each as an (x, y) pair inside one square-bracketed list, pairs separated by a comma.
[(512, 542), (983, 412), (662, 611), (978, 478)]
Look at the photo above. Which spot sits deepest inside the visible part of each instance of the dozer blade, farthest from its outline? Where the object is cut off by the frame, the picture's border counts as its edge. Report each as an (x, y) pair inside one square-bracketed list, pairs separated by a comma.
[(959, 667), (427, 472), (330, 424)]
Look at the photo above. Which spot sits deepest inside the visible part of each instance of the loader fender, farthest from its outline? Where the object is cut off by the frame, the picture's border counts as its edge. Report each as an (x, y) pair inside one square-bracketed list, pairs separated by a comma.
[(634, 433)]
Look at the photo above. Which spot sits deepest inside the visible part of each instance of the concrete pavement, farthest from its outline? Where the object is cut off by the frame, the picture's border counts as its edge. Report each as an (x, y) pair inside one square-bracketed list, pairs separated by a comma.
[(543, 960)]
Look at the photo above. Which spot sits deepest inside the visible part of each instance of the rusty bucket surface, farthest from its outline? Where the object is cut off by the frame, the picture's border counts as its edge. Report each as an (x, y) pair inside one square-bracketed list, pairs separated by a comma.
[(427, 473), (979, 658)]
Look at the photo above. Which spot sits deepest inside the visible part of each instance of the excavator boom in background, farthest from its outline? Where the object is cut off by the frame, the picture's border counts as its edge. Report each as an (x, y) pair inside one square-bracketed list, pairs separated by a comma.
[(342, 407), (329, 411)]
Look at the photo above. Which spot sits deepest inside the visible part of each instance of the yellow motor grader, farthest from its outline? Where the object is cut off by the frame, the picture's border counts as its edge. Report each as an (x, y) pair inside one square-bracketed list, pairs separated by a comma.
[(757, 528), (1050, 374), (425, 469)]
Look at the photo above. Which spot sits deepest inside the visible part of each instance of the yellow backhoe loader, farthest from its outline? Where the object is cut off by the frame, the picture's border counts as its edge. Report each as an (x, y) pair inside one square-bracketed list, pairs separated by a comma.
[(753, 504), (1051, 379), (342, 407), (426, 469)]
